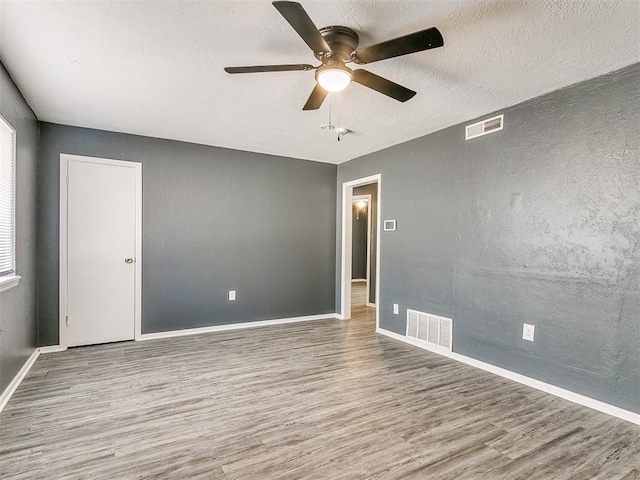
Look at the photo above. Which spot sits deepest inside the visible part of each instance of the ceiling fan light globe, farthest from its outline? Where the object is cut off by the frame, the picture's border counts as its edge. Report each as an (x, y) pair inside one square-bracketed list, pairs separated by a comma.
[(334, 79)]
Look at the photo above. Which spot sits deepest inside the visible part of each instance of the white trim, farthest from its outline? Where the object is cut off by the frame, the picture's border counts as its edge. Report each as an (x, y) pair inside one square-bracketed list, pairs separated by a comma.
[(63, 286), (51, 349), (369, 304), (345, 264), (17, 380), (517, 377), (234, 326), (346, 253), (138, 274), (358, 280), (9, 281), (62, 282)]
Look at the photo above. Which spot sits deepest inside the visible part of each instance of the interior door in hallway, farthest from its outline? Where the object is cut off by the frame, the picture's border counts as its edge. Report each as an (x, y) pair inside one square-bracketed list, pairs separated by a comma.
[(101, 249)]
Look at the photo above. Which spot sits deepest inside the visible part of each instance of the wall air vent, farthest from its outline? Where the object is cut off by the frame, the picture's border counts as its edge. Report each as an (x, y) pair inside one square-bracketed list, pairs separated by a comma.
[(434, 330), (489, 125)]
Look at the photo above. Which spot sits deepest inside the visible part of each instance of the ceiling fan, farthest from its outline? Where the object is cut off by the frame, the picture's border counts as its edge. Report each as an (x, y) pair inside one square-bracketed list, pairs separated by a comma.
[(335, 46)]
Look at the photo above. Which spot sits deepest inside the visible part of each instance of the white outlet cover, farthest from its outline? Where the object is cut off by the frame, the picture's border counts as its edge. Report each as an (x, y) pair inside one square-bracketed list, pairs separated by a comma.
[(396, 309), (232, 295), (528, 331)]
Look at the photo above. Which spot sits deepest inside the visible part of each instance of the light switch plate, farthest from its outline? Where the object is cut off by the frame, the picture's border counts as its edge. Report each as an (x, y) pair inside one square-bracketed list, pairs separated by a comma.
[(389, 225), (528, 331), (232, 295), (396, 309)]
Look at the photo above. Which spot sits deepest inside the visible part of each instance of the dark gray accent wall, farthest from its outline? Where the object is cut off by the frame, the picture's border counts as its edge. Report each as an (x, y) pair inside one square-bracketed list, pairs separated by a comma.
[(371, 189), (538, 223), (213, 220), (18, 304)]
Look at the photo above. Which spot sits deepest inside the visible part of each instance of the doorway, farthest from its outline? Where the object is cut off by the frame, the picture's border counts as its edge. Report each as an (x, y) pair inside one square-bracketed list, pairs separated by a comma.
[(363, 251), (100, 250), (348, 212)]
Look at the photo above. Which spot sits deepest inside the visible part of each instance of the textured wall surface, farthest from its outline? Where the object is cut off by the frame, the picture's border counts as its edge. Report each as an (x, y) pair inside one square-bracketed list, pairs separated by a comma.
[(213, 220), (18, 304), (538, 223)]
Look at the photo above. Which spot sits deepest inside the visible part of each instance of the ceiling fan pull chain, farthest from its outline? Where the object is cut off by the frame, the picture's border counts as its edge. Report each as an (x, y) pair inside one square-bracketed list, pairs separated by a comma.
[(339, 130)]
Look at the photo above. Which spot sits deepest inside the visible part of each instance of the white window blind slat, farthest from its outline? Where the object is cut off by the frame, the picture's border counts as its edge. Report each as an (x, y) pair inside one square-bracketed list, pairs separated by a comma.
[(7, 198)]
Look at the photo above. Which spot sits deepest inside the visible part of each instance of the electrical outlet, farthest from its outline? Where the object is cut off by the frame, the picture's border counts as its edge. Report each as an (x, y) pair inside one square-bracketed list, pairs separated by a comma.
[(528, 331), (232, 295), (396, 309)]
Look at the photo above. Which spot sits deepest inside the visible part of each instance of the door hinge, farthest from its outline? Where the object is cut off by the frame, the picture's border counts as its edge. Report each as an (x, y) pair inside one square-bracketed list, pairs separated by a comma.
[(67, 320)]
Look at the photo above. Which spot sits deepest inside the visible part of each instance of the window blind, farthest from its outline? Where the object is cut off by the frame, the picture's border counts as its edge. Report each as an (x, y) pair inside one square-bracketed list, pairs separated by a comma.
[(7, 198)]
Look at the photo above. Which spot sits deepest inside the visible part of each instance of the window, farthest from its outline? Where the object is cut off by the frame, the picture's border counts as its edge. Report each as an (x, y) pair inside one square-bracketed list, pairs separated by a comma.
[(8, 277)]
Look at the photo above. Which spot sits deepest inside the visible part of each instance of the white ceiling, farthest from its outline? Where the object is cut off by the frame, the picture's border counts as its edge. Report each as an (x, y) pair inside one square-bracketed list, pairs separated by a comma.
[(156, 67)]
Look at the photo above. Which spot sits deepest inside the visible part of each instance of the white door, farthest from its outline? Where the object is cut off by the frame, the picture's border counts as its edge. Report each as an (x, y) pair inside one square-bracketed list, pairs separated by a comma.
[(101, 250)]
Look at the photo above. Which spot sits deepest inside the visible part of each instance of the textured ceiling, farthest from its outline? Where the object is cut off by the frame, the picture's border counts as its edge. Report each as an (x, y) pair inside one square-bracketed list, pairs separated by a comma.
[(156, 67)]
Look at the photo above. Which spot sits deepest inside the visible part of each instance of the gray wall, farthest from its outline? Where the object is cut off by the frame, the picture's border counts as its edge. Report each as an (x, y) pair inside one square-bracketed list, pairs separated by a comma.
[(538, 223), (213, 219), (371, 189), (18, 305)]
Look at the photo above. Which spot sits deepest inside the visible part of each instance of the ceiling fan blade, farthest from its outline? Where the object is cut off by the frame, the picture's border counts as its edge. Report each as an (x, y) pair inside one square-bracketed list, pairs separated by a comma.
[(301, 23), (414, 42), (268, 68), (316, 98), (382, 85)]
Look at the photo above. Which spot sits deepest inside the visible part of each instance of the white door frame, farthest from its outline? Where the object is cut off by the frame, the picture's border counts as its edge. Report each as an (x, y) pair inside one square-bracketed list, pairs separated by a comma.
[(63, 295), (347, 238), (367, 267)]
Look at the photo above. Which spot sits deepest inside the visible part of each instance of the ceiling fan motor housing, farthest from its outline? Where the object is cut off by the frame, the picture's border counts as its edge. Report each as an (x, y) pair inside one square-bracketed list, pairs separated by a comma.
[(343, 42)]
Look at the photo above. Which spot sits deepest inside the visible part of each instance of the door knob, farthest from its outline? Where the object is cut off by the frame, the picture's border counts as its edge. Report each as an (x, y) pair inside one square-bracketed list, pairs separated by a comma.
[(128, 260)]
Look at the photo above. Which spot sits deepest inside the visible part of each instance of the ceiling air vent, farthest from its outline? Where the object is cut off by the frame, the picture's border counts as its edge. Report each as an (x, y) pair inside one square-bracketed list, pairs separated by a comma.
[(489, 125)]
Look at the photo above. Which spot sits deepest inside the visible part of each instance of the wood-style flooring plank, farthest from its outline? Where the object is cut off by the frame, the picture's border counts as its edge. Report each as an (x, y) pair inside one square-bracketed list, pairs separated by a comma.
[(316, 400)]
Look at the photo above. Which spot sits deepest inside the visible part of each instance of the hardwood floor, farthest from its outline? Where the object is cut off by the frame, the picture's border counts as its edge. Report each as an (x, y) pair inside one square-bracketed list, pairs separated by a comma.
[(358, 294), (316, 400)]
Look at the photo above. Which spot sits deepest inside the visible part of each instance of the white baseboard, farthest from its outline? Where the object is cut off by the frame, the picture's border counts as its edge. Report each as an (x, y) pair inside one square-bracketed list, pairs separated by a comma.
[(17, 380), (371, 305), (531, 382), (358, 280), (339, 316), (233, 326), (52, 349)]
